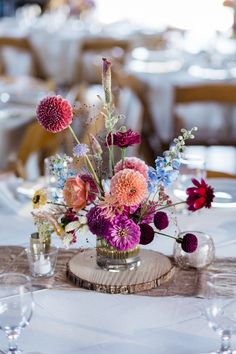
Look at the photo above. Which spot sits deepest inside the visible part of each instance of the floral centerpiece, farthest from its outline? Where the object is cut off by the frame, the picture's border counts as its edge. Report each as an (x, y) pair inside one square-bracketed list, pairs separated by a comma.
[(124, 208)]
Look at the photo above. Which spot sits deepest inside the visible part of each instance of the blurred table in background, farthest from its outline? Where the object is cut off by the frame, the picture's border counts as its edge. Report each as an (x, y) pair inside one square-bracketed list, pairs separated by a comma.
[(18, 99)]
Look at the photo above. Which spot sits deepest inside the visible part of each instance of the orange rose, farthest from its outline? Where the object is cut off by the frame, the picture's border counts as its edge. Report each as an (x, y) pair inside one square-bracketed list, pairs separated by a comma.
[(75, 193)]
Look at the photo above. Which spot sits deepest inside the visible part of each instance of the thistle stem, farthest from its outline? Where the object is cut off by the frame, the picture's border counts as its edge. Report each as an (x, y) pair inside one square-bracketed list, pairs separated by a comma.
[(90, 166), (161, 233), (171, 205)]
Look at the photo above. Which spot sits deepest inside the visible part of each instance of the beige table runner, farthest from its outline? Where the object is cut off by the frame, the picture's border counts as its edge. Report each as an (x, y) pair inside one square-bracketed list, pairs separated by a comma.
[(184, 282)]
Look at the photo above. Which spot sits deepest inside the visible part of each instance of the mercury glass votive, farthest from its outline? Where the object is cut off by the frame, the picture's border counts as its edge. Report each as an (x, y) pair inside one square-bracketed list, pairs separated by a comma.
[(201, 257)]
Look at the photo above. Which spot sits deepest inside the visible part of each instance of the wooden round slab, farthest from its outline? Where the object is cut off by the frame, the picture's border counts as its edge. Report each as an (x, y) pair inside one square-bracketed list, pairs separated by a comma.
[(155, 269)]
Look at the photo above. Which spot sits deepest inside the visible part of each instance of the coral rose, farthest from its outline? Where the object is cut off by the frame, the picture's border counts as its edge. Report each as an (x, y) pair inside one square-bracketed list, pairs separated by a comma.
[(75, 193)]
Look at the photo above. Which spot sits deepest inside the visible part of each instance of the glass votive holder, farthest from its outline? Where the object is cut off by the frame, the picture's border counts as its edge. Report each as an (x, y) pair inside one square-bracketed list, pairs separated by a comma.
[(201, 257), (42, 264)]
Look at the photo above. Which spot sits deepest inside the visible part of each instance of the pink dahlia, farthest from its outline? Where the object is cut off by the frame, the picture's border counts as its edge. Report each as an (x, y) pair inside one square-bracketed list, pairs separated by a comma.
[(54, 113), (128, 187), (124, 233), (133, 163)]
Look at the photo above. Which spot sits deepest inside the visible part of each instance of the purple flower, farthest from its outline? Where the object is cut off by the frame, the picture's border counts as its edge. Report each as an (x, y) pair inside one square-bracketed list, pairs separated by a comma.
[(189, 243), (199, 196), (80, 150), (124, 233), (98, 224), (147, 234), (161, 220), (123, 139)]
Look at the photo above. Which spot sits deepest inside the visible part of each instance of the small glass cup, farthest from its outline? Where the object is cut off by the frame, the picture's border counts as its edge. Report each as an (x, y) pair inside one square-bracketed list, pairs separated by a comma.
[(201, 257), (42, 264)]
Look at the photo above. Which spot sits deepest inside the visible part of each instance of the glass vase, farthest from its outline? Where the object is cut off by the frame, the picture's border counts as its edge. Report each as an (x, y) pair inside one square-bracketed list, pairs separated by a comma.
[(201, 257), (113, 260)]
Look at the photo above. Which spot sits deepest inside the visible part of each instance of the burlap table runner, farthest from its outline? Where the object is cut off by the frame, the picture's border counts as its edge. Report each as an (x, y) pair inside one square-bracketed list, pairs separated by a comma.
[(184, 282)]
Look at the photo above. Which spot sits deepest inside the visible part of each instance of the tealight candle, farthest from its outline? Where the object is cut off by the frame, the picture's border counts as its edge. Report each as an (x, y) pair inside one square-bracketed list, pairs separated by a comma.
[(42, 266)]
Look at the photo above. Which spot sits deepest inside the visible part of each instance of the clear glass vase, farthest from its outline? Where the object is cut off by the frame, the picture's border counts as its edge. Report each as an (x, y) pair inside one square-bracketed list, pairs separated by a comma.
[(111, 259), (201, 258)]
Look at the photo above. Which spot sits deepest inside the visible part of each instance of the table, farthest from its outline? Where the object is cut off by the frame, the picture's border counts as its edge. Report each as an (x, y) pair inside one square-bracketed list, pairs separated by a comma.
[(70, 322), (18, 99)]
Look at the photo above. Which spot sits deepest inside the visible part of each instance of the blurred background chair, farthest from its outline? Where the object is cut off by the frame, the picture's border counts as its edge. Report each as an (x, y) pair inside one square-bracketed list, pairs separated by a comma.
[(211, 131), (38, 142), (91, 52), (28, 63)]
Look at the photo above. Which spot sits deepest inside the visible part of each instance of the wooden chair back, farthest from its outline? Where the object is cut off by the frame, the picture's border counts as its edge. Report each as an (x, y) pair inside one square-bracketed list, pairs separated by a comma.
[(36, 140), (21, 45), (220, 93), (91, 53)]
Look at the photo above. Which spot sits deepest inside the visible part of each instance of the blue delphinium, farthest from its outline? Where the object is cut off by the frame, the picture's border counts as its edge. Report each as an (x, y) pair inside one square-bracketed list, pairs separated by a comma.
[(152, 180), (167, 167)]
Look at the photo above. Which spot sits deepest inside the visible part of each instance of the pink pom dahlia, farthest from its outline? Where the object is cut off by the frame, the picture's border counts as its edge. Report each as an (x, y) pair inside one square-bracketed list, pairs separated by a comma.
[(54, 113), (129, 187), (133, 163)]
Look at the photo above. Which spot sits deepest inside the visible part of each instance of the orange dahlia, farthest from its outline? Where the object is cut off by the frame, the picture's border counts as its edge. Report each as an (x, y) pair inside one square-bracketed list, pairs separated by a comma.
[(129, 187)]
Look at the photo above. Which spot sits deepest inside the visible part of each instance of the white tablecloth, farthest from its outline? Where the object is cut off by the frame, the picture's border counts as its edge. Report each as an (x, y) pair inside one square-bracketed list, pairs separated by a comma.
[(70, 322)]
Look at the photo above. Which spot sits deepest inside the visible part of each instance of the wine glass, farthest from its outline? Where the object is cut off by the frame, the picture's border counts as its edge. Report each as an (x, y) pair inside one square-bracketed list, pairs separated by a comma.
[(220, 309), (16, 307)]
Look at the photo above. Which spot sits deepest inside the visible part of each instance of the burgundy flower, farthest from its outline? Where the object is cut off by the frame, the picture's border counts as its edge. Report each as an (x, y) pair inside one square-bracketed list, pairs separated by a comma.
[(92, 187), (54, 113), (147, 234), (199, 196), (98, 224), (189, 243), (161, 220), (124, 139), (70, 215)]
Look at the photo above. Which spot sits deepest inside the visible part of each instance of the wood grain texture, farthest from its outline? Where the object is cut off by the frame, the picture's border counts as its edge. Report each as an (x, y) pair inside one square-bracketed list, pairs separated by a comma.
[(155, 269)]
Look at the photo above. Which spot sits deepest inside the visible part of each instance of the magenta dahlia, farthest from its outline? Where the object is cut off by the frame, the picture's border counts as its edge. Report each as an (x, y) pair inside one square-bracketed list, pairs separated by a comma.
[(54, 113), (124, 233)]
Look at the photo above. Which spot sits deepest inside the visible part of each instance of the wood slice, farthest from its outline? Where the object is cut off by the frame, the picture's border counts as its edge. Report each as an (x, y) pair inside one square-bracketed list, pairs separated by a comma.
[(155, 269)]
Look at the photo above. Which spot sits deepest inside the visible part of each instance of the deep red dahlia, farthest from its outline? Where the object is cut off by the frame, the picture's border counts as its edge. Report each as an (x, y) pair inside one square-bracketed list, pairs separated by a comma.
[(199, 196), (124, 139), (54, 113)]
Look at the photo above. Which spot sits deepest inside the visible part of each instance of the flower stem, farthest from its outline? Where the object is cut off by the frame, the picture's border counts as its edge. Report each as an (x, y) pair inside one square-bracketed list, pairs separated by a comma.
[(123, 150), (161, 233), (171, 205), (90, 166)]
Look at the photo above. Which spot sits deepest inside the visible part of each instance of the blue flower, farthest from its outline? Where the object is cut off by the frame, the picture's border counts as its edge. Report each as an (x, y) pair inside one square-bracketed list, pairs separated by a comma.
[(152, 180)]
